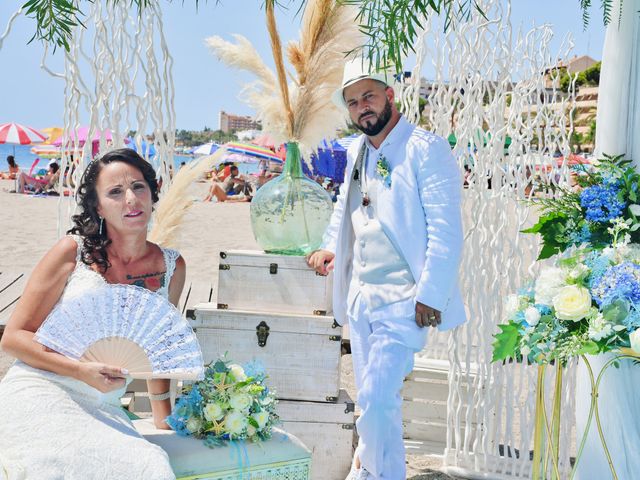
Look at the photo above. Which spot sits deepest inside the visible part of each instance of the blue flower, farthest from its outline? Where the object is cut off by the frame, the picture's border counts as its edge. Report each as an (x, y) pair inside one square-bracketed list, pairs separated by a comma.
[(617, 282), (255, 369), (583, 235), (601, 202), (543, 309)]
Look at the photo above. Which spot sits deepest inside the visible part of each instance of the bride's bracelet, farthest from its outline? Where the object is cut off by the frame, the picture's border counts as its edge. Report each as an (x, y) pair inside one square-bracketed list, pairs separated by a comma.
[(156, 397)]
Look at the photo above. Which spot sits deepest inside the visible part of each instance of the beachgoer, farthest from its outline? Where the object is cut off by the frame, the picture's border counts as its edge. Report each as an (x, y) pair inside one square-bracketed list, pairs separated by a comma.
[(395, 239), (49, 181), (13, 171), (232, 184), (61, 418)]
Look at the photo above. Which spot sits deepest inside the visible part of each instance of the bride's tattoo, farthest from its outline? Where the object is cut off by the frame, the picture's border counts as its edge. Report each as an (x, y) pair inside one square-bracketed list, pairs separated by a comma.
[(150, 281)]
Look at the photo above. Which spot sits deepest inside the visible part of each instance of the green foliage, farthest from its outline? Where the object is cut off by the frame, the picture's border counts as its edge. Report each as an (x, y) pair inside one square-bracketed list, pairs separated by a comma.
[(605, 5), (506, 342), (589, 77), (190, 138)]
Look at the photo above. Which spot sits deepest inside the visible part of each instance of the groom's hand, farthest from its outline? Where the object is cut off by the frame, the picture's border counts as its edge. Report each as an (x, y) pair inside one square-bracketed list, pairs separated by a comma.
[(427, 316)]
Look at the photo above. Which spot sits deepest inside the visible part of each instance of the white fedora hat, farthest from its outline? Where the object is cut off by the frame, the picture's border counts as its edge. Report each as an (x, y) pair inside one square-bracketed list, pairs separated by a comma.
[(356, 69)]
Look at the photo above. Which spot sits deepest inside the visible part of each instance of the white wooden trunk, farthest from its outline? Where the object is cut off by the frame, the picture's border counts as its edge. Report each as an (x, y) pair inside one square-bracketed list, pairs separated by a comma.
[(301, 354), (257, 281), (327, 429), (424, 408)]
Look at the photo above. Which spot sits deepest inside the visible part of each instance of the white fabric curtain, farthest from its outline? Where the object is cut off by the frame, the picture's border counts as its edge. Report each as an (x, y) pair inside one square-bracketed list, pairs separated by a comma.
[(618, 117)]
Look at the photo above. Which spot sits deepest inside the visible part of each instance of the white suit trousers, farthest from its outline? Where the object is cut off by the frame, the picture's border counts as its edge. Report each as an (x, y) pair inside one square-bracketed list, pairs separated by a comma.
[(382, 353)]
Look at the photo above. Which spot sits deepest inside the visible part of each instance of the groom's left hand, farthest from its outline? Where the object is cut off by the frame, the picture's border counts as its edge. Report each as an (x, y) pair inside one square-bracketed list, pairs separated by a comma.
[(427, 316)]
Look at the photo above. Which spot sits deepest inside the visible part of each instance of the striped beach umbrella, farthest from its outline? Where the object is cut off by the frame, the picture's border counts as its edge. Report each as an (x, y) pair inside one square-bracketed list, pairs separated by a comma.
[(20, 135), (252, 151)]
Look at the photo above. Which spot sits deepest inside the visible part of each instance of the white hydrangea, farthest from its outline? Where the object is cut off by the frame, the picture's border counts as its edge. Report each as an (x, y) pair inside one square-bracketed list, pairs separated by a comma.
[(550, 280), (599, 328)]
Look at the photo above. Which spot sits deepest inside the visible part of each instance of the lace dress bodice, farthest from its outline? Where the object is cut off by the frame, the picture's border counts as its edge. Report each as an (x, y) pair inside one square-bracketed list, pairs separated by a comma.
[(84, 279)]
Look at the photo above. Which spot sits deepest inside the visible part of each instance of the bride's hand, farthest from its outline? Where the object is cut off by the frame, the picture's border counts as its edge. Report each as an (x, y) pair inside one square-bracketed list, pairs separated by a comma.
[(104, 378)]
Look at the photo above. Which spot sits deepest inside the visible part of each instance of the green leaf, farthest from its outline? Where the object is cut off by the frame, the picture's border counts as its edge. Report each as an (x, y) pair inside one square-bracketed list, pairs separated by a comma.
[(506, 341), (589, 348)]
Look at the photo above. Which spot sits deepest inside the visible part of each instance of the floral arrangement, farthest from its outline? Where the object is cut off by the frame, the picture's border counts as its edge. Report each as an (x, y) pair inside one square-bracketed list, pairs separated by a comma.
[(589, 301), (231, 403), (607, 193)]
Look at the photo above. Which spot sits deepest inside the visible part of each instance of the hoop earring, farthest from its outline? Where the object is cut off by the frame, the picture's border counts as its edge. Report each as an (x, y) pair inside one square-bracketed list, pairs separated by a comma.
[(101, 222)]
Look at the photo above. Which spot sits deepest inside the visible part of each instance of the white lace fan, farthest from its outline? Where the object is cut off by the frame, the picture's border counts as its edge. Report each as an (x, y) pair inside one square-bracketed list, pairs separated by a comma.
[(128, 327)]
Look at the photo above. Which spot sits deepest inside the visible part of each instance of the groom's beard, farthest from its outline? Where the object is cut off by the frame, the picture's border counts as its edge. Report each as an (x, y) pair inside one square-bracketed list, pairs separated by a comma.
[(373, 126)]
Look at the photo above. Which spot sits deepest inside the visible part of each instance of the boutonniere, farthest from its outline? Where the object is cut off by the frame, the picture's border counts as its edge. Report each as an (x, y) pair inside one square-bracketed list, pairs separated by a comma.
[(384, 170)]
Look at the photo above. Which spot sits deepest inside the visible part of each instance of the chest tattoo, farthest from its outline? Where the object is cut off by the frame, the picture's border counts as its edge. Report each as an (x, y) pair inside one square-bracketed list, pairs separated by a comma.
[(150, 281)]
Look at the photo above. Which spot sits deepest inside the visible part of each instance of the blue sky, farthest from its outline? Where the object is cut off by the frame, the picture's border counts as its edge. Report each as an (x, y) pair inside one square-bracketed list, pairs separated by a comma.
[(203, 85)]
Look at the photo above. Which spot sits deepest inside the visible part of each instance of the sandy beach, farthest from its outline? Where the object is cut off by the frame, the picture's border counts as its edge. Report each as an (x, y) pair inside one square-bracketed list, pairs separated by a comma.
[(29, 228)]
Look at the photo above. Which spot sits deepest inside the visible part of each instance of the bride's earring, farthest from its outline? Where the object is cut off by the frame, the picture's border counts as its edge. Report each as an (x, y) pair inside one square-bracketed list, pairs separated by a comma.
[(101, 222)]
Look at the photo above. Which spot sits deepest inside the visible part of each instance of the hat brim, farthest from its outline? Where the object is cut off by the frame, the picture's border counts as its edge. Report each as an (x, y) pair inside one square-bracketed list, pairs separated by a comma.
[(338, 97)]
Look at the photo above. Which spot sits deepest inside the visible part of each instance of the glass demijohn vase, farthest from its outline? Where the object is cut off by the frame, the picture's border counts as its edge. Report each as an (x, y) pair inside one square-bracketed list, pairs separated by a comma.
[(290, 213)]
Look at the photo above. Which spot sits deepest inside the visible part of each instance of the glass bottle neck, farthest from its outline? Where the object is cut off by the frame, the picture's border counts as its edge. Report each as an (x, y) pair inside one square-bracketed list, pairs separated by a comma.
[(293, 164)]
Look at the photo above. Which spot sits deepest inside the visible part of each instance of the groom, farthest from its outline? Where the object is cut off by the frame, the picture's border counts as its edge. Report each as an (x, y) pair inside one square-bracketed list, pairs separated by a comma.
[(395, 240)]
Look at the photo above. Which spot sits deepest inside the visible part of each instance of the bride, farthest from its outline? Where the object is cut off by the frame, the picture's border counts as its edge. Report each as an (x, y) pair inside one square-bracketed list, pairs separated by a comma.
[(60, 418)]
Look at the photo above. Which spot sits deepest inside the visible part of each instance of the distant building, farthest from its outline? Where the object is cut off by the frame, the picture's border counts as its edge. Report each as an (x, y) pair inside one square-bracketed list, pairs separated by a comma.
[(230, 123)]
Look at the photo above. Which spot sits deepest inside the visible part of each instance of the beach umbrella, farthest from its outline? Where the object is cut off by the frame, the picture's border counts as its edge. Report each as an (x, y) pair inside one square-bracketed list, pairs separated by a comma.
[(80, 137), (206, 149), (265, 141), (52, 133), (252, 151), (17, 134)]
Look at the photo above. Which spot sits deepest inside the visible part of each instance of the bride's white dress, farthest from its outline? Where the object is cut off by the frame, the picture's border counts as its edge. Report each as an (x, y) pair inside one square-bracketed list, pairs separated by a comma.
[(619, 408), (56, 427)]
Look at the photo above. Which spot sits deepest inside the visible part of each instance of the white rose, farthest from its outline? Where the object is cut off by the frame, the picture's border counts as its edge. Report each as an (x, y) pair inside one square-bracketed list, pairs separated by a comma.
[(634, 338), (572, 303), (512, 305), (262, 418), (548, 283), (235, 423), (532, 316), (194, 424), (578, 271), (238, 372), (213, 411), (240, 401)]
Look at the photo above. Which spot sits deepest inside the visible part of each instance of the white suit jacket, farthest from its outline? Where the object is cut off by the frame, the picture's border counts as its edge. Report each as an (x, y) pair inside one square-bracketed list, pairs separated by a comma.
[(419, 212)]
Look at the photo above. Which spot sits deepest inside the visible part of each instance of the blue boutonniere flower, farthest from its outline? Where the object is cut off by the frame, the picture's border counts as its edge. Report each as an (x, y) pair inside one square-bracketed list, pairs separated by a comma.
[(384, 170)]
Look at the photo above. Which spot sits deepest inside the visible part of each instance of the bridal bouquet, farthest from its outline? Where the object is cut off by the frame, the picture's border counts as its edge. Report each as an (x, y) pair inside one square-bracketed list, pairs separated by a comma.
[(589, 301), (231, 403)]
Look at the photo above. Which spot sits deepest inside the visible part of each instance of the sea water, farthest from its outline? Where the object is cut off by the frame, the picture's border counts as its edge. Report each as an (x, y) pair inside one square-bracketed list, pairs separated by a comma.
[(24, 158)]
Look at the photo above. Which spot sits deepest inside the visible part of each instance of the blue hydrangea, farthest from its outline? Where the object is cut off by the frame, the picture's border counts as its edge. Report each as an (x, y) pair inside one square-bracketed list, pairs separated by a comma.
[(601, 202), (598, 264), (583, 235), (186, 407), (255, 369), (543, 309), (632, 321), (619, 281)]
